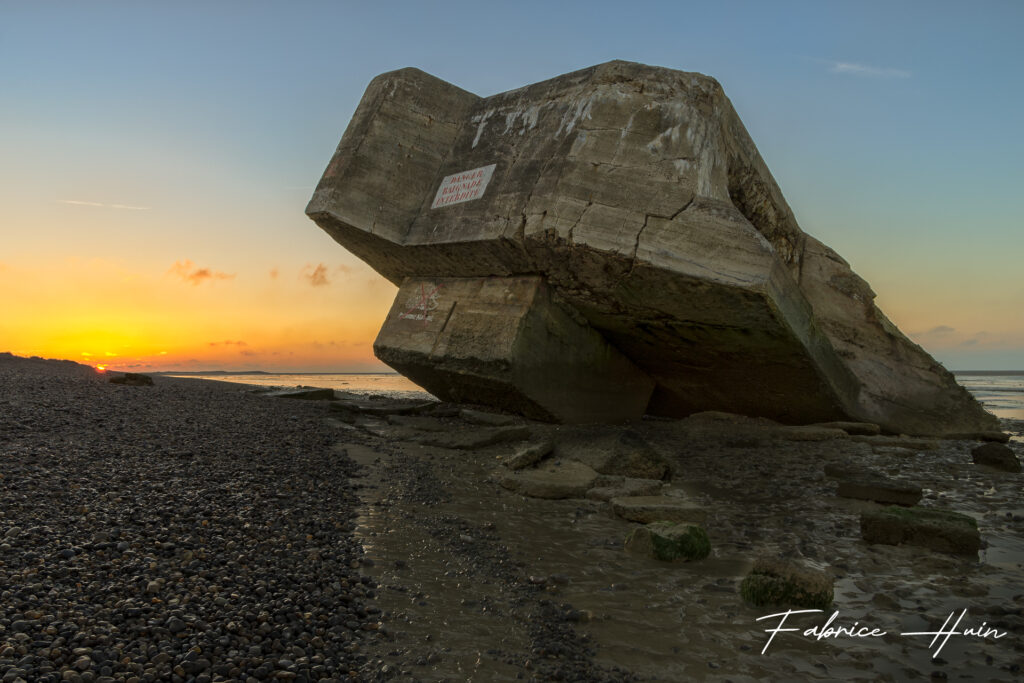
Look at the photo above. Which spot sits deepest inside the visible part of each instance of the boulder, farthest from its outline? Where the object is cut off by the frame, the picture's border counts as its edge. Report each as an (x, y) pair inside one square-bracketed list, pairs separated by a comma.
[(419, 422), (622, 452), (606, 488), (941, 530), (647, 509), (788, 584), (529, 455), (669, 541), (853, 428), (996, 455), (133, 379), (554, 480), (480, 417), (610, 243), (880, 490), (473, 438)]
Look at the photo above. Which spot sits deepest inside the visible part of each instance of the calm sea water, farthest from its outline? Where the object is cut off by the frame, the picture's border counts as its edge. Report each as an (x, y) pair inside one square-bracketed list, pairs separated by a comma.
[(1000, 393)]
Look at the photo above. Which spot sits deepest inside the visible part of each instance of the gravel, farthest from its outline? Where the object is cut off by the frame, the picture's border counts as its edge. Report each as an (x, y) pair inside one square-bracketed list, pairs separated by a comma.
[(186, 531)]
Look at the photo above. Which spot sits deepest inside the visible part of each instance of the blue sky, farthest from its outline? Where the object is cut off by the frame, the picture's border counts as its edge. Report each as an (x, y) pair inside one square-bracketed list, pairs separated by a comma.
[(135, 136)]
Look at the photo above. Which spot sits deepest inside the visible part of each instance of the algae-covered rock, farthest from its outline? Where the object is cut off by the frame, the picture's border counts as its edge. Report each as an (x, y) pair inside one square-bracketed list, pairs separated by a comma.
[(996, 455), (670, 541), (778, 582), (942, 530)]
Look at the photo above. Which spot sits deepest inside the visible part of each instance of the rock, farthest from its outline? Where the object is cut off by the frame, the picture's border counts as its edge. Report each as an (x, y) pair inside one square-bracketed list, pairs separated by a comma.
[(669, 541), (864, 484), (906, 442), (996, 455), (998, 437), (425, 424), (788, 584), (647, 509), (853, 428), (621, 487), (132, 379), (529, 455), (479, 417), (623, 452), (941, 530), (383, 408), (13, 532), (880, 490), (303, 393), (469, 439), (809, 433), (564, 480), (608, 243)]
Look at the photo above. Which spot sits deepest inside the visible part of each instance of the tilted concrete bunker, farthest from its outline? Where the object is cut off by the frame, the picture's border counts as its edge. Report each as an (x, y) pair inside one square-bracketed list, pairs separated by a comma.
[(609, 243)]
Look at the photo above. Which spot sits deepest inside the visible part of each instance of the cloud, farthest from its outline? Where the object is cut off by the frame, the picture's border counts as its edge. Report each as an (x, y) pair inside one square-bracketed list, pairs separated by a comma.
[(229, 343), (103, 205), (187, 271), (855, 69), (248, 352), (941, 329), (317, 276), (274, 273)]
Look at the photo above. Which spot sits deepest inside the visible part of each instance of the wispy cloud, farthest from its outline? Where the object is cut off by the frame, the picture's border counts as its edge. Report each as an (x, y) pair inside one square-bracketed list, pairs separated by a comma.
[(856, 69), (317, 276), (103, 205), (188, 272), (229, 343)]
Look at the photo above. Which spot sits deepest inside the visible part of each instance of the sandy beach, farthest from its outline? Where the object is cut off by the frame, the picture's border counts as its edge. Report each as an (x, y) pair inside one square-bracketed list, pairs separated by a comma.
[(203, 531)]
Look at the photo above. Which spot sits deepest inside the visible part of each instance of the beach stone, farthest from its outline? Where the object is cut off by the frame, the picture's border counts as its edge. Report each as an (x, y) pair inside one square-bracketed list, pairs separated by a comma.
[(623, 452), (303, 393), (529, 455), (484, 418), (879, 490), (609, 243), (133, 379), (852, 428), (13, 532), (471, 438), (941, 530), (563, 480), (621, 487), (647, 509), (668, 541), (996, 455), (785, 583)]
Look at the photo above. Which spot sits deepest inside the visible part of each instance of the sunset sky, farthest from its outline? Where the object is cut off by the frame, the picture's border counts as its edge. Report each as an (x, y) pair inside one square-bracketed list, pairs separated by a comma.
[(156, 158)]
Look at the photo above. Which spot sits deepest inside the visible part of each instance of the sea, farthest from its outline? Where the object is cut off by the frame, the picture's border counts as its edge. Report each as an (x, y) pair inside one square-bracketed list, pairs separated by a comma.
[(1001, 392)]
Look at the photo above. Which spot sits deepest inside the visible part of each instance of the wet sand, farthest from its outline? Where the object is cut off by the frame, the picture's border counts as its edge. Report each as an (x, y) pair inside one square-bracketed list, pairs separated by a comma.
[(413, 563)]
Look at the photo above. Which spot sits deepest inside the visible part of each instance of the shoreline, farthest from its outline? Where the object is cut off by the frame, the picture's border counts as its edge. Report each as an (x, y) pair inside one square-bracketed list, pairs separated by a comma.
[(393, 532)]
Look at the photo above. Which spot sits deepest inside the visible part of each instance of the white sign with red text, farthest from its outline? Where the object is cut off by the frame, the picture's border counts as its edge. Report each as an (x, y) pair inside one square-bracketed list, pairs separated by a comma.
[(463, 187)]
